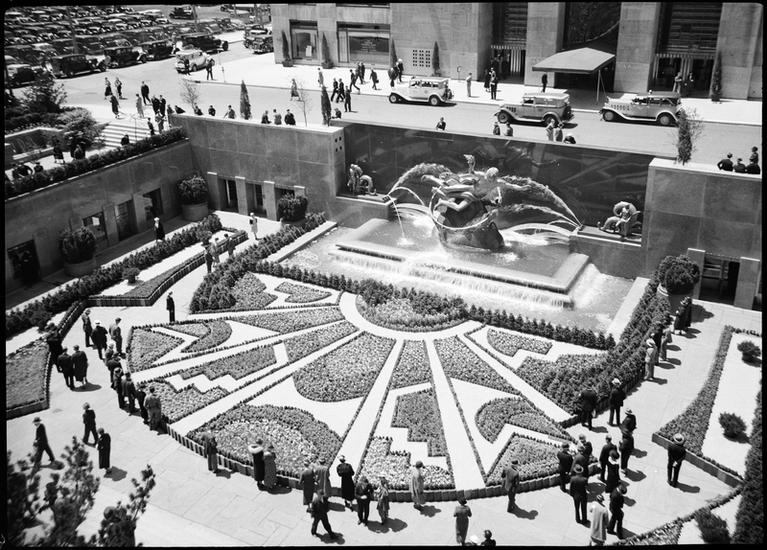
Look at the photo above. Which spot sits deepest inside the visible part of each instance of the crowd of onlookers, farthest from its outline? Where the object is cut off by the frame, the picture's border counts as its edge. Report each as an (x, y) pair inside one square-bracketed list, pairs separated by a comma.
[(727, 165)]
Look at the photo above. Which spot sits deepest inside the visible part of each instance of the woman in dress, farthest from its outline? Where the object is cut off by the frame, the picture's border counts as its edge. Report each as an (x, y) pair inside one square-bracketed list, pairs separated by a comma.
[(307, 484), (382, 495), (416, 485), (346, 473), (462, 514), (257, 451), (104, 446), (613, 472), (293, 89), (270, 468)]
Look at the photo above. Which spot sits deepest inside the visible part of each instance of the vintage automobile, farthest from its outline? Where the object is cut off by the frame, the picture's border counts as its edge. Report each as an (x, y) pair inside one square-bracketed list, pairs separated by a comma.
[(203, 41), (196, 58), (182, 12), (661, 107), (537, 107), (70, 65), (157, 49), (427, 89), (122, 56), (252, 32), (262, 44), (21, 74)]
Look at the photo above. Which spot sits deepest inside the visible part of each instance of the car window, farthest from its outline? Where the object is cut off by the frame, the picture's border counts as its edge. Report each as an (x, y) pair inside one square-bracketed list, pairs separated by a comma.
[(528, 101)]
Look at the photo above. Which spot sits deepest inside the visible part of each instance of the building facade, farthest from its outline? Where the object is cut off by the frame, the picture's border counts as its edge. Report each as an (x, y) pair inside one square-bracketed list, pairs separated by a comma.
[(652, 41)]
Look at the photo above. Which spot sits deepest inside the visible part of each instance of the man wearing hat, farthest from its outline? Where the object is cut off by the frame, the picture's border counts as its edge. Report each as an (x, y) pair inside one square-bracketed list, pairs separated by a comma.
[(117, 335), (87, 327), (41, 444), (578, 490), (510, 477), (617, 396), (259, 468), (322, 473), (599, 519), (170, 305), (629, 423), (604, 456), (616, 510), (65, 365), (307, 484), (587, 401), (581, 460), (565, 464), (626, 447), (676, 454), (99, 337), (159, 230), (588, 448), (89, 420)]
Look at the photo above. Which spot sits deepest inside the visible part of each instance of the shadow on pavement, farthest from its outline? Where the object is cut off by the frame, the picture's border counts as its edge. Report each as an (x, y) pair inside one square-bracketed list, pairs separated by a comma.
[(430, 511), (675, 361), (599, 429), (688, 488), (635, 475), (223, 472), (336, 507), (89, 387), (116, 474), (628, 501), (659, 381), (639, 453), (394, 525), (525, 514), (339, 539)]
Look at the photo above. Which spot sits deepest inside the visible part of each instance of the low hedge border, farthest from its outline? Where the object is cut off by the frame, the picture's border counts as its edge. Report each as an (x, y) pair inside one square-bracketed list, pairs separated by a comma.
[(749, 519), (722, 473)]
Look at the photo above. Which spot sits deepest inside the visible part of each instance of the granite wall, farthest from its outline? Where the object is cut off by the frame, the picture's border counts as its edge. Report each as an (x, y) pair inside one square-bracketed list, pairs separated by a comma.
[(637, 37)]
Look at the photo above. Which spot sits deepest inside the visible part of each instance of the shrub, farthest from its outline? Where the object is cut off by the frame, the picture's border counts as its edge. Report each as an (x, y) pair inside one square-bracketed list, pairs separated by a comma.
[(287, 61), (749, 519), (750, 351), (193, 190), (131, 273), (292, 208), (78, 245), (713, 529), (678, 274), (733, 425)]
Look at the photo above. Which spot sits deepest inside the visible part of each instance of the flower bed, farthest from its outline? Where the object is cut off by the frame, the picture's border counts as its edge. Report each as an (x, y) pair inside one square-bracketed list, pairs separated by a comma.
[(495, 414), (193, 329), (295, 434), (419, 413), (25, 373), (146, 346), (541, 373), (536, 459), (749, 519), (218, 332), (300, 294), (301, 346), (399, 314), (292, 321), (462, 363), (395, 466), (249, 293), (346, 372), (237, 366), (412, 365), (511, 343), (176, 404)]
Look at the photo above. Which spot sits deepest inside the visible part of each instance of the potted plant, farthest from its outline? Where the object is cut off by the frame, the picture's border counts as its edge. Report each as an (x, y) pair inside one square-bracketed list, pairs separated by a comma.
[(287, 61), (131, 274), (678, 276), (750, 351), (193, 193), (78, 248), (291, 210)]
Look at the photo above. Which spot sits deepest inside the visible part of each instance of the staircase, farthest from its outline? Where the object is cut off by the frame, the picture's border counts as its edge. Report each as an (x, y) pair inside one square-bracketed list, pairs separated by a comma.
[(136, 129)]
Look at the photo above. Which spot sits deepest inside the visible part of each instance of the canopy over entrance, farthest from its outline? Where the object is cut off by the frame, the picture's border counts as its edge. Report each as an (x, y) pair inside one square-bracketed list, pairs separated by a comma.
[(579, 61)]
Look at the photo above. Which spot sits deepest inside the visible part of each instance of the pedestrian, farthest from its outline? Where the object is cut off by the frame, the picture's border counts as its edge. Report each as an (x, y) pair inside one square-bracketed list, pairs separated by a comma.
[(159, 230), (667, 338), (374, 77), (565, 464), (489, 540), (569, 138), (65, 366), (141, 398), (322, 475), (617, 396), (726, 163), (294, 88), (89, 423), (41, 444), (265, 118), (257, 452), (290, 120), (117, 386), (739, 167), (676, 454), (211, 452), (550, 130), (320, 514), (487, 80), (441, 123), (580, 459), (544, 82), (617, 500), (348, 102), (153, 406), (688, 85), (125, 140), (558, 132), (353, 81), (197, 110), (509, 131), (307, 485), (392, 73), (99, 337), (510, 477), (107, 88), (209, 69), (54, 346), (626, 447), (155, 105), (587, 402), (320, 77), (753, 168), (649, 359), (104, 446), (119, 87), (363, 492), (277, 117), (461, 514), (578, 485), (588, 448), (335, 90), (160, 119), (214, 251), (686, 313), (150, 126), (254, 225), (208, 258), (129, 392), (400, 69), (229, 246), (116, 334), (230, 113), (346, 473), (677, 83), (270, 468), (111, 359), (115, 106), (341, 92), (629, 423), (139, 106), (361, 71), (494, 86), (754, 158), (170, 305), (468, 85), (80, 364), (613, 471), (212, 111), (79, 152), (58, 154), (599, 519), (496, 129), (145, 93), (604, 456), (382, 494)]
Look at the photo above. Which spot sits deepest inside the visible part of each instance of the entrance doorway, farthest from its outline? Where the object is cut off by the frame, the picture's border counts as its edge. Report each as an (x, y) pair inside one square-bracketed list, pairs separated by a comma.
[(255, 196), (719, 279), (230, 190), (124, 216), (152, 205), (25, 263)]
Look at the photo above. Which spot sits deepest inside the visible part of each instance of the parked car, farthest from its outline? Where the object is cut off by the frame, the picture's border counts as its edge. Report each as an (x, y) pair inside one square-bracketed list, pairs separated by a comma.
[(71, 65), (251, 32), (21, 74), (262, 44), (662, 107), (122, 56), (182, 12), (537, 107), (197, 59), (433, 90), (157, 49), (204, 41)]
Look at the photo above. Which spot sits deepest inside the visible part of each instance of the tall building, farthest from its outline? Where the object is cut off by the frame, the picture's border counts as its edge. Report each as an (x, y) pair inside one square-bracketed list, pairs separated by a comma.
[(652, 41)]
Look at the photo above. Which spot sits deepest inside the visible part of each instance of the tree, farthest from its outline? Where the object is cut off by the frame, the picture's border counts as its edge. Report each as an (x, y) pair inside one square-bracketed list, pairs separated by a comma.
[(119, 524), (190, 92), (303, 99), (716, 78), (327, 61), (45, 95), (392, 55), (244, 102), (287, 61), (435, 60), (325, 103), (689, 128)]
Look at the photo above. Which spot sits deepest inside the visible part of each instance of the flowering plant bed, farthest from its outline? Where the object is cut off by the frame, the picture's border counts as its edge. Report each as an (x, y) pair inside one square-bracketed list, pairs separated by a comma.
[(218, 332), (292, 321), (192, 329), (395, 466), (495, 414), (300, 294), (511, 343), (419, 413), (302, 345), (541, 373), (237, 366), (536, 459), (462, 363), (346, 372), (249, 293), (399, 314), (176, 404), (295, 434), (25, 374), (412, 366), (146, 346)]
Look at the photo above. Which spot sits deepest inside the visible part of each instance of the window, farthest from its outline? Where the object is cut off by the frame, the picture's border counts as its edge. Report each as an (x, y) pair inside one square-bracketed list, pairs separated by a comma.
[(96, 224), (421, 58)]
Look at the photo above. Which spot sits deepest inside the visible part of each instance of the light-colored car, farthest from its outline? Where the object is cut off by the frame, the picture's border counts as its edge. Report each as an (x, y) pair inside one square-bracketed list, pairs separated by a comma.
[(537, 107), (197, 59), (662, 107), (427, 89)]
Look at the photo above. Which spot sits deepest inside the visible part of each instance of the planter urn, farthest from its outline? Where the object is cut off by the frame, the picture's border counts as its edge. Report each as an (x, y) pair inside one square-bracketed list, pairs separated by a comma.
[(194, 212), (674, 299)]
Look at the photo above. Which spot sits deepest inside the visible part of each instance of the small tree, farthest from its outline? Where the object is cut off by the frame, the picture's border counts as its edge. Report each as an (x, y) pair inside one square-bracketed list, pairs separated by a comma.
[(244, 102), (287, 61), (435, 60), (689, 130), (45, 95), (325, 106), (119, 524), (304, 100), (190, 92), (716, 79), (392, 55), (327, 61)]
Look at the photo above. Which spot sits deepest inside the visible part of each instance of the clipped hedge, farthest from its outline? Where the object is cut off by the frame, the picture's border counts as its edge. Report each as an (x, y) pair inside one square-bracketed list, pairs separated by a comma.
[(94, 162), (749, 519)]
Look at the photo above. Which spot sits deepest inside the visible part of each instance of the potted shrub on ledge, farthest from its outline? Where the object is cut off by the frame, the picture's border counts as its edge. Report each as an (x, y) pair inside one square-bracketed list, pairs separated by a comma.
[(678, 277), (291, 209), (78, 248), (193, 193)]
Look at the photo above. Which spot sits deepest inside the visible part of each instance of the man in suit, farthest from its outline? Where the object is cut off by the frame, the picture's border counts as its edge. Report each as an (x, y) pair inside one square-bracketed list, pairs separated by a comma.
[(629, 423), (565, 464), (145, 93), (89, 421), (154, 409), (588, 448), (170, 305), (163, 104), (578, 486), (80, 364), (319, 510), (581, 460), (676, 454), (99, 337), (626, 447), (117, 336), (617, 396), (587, 403), (604, 456), (510, 477), (159, 230), (616, 511), (348, 101), (54, 346), (726, 163), (65, 366), (129, 392), (87, 327), (41, 444), (739, 167), (400, 69)]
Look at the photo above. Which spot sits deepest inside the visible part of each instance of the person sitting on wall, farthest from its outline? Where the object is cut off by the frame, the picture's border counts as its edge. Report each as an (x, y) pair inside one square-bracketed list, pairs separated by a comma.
[(337, 113), (753, 168)]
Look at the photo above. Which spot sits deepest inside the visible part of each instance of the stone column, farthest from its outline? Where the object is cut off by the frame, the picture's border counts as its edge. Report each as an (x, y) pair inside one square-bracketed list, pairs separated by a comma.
[(545, 28), (637, 37), (214, 193), (270, 199), (139, 219), (110, 223), (326, 24), (740, 32), (698, 256), (242, 195), (748, 281)]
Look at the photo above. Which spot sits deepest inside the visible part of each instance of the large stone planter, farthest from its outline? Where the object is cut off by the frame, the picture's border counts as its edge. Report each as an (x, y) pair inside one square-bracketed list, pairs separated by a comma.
[(674, 299), (80, 269), (283, 223), (194, 212)]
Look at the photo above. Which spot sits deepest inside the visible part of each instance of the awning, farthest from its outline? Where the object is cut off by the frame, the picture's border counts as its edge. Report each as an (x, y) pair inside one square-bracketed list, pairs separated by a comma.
[(579, 61)]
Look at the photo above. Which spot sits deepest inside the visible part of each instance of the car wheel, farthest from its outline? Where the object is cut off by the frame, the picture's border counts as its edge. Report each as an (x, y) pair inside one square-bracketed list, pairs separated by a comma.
[(548, 119), (609, 116), (503, 117), (69, 74), (393, 98), (433, 101), (225, 46), (193, 67), (665, 120)]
